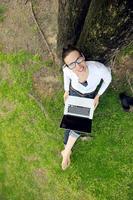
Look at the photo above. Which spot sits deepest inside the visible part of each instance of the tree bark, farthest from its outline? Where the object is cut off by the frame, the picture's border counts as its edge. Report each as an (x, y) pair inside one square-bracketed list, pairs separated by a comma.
[(108, 26), (71, 18)]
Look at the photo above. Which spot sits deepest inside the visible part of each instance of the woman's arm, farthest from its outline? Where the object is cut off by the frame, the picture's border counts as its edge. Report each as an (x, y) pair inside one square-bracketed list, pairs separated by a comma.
[(66, 94), (66, 81), (105, 75), (66, 85), (96, 101)]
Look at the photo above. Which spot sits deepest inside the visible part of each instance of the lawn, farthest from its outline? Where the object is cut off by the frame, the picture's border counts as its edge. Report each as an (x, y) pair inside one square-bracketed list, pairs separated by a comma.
[(30, 143)]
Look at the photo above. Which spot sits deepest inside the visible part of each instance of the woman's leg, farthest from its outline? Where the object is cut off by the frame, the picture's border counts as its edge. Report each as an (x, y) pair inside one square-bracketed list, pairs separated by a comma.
[(66, 135), (73, 136)]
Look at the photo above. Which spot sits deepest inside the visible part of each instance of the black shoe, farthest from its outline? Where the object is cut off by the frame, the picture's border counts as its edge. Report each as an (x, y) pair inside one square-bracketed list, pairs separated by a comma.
[(126, 101)]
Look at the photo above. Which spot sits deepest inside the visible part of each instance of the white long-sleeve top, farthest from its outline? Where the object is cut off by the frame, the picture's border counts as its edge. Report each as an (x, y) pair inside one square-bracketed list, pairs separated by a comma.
[(97, 71)]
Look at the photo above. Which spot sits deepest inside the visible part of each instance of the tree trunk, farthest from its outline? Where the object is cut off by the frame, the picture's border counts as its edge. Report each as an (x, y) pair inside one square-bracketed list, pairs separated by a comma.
[(71, 18), (108, 26)]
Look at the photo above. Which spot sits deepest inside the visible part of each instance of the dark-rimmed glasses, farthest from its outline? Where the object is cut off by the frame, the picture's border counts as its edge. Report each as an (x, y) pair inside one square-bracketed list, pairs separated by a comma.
[(79, 60)]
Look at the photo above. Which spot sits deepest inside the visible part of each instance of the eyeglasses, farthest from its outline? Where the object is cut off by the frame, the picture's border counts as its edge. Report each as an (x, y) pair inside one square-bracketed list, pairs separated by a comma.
[(77, 61)]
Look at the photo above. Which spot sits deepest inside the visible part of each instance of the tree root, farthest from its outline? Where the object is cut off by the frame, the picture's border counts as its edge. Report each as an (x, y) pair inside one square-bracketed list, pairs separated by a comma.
[(35, 98), (40, 31)]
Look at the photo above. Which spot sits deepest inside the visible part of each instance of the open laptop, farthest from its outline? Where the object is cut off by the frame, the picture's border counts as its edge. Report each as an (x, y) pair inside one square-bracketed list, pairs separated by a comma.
[(78, 114)]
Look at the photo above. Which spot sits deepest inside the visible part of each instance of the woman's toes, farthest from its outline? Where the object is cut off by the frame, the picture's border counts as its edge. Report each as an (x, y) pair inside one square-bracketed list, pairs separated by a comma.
[(66, 161), (64, 165)]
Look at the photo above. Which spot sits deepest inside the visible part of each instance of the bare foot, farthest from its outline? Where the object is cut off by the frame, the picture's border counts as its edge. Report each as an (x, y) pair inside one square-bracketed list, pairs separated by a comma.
[(66, 160)]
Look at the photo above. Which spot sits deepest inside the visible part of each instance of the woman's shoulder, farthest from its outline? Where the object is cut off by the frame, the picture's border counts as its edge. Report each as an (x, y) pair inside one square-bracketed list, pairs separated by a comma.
[(95, 65), (66, 70)]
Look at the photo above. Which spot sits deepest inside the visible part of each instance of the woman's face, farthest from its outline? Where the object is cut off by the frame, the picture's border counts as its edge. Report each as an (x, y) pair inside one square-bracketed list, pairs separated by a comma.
[(76, 62)]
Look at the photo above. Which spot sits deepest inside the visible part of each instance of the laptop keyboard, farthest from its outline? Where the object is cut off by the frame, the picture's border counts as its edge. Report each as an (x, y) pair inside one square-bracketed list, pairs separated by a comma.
[(79, 110)]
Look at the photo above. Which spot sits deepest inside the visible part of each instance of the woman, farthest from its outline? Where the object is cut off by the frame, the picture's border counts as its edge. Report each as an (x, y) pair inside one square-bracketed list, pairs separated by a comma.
[(81, 78)]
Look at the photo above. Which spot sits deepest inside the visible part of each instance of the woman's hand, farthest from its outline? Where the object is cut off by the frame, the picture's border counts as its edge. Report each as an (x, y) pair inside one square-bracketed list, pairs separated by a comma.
[(66, 94), (96, 101)]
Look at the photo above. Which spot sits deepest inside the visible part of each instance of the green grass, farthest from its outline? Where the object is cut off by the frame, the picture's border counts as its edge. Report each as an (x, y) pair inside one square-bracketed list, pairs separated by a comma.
[(2, 13), (30, 144)]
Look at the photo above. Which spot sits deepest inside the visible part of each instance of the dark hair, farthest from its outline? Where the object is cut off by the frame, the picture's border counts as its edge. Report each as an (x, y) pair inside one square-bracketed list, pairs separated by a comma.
[(69, 49)]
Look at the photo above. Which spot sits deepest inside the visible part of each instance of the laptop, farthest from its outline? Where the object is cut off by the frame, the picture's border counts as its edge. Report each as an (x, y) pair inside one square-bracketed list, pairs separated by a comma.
[(78, 114)]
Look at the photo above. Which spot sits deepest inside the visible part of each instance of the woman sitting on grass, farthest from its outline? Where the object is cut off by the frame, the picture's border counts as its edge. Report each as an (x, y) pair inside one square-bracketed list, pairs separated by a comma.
[(81, 78)]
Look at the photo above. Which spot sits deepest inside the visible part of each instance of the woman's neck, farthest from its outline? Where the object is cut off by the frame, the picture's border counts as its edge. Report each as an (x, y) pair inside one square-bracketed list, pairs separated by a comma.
[(83, 75)]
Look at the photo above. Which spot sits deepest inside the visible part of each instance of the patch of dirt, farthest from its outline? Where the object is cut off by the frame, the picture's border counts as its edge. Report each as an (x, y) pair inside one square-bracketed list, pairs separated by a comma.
[(47, 16), (125, 63), (31, 158), (19, 30), (40, 176), (5, 73), (46, 82), (123, 71), (6, 107)]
